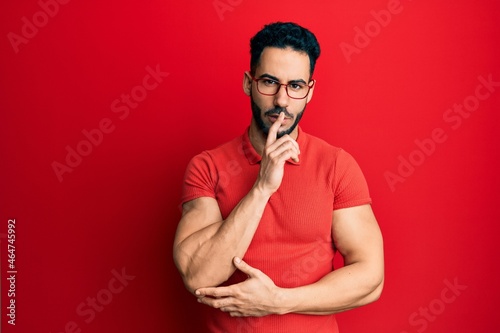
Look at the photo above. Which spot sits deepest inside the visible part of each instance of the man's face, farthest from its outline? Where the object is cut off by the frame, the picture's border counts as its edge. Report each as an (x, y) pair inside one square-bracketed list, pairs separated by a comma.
[(285, 66)]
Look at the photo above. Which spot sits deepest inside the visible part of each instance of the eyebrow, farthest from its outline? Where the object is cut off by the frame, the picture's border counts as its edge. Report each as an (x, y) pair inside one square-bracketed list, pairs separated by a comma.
[(265, 75)]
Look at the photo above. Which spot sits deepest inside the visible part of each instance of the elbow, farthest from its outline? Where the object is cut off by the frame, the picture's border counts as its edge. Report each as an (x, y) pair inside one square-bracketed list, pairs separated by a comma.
[(376, 287), (182, 264), (190, 284), (195, 276), (376, 282), (188, 279), (377, 292), (193, 282)]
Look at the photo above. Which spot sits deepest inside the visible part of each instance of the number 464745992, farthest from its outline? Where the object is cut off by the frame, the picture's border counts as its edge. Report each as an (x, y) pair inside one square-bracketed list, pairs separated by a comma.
[(11, 240)]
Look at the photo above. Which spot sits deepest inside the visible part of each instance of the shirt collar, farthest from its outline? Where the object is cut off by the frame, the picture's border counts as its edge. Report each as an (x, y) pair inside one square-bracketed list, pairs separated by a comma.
[(253, 157)]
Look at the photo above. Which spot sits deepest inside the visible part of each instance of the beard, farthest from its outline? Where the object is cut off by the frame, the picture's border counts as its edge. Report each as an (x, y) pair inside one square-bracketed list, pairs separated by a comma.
[(257, 116)]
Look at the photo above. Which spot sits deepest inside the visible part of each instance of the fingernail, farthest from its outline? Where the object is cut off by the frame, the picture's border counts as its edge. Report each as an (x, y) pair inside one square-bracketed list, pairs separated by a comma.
[(237, 260)]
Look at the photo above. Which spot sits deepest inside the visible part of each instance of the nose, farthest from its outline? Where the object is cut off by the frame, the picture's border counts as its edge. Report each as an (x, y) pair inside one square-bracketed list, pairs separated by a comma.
[(281, 99)]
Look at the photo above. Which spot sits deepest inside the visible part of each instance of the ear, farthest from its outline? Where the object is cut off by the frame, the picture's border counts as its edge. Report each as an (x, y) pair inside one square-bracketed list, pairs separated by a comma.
[(311, 92), (247, 83)]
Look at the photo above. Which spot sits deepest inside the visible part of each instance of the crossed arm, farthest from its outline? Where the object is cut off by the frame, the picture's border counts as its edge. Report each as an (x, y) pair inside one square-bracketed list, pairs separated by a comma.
[(357, 237), (205, 244), (207, 250)]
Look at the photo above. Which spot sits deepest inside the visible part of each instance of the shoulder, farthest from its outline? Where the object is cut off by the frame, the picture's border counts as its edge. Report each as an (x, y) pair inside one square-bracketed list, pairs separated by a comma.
[(222, 153), (334, 158), (317, 146)]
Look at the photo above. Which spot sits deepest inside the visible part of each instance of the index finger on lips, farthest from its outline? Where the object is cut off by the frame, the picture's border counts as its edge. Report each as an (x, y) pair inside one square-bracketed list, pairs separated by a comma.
[(273, 131)]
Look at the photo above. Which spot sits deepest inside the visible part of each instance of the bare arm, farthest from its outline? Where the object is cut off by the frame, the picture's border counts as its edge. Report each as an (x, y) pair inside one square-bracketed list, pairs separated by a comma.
[(205, 244), (358, 238)]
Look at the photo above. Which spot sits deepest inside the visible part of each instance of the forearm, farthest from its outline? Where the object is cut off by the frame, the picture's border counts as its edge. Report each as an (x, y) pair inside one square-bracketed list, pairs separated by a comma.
[(346, 288), (205, 257)]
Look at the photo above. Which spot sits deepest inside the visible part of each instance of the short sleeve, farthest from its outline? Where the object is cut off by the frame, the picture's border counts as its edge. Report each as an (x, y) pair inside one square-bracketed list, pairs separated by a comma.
[(200, 178), (349, 184)]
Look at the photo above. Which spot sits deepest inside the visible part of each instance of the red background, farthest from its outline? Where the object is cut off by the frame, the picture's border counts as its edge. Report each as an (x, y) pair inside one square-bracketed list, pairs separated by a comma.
[(118, 208)]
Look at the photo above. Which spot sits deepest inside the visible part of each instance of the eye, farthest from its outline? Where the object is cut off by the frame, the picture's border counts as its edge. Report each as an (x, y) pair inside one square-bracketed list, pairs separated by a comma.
[(269, 82), (296, 86)]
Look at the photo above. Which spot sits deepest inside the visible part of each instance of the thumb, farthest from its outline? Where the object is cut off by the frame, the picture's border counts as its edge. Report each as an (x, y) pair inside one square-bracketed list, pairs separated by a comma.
[(244, 267)]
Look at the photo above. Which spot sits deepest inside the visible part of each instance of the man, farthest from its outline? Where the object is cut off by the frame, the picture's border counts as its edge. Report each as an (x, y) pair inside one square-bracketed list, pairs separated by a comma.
[(282, 200)]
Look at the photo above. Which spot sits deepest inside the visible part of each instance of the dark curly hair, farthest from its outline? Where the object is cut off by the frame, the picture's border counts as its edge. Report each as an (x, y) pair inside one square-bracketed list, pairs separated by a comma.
[(283, 35)]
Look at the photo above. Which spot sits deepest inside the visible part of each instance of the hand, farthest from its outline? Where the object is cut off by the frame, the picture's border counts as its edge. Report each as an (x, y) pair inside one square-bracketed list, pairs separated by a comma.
[(254, 297), (275, 154)]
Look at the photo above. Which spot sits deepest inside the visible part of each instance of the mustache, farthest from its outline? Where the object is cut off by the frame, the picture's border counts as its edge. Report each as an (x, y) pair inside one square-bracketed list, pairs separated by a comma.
[(277, 111)]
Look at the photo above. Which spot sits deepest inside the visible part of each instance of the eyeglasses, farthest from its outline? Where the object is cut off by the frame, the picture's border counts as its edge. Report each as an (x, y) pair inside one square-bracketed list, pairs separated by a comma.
[(296, 90)]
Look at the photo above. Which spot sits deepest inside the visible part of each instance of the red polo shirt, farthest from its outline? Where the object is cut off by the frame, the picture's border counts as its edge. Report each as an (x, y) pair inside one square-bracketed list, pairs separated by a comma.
[(293, 243)]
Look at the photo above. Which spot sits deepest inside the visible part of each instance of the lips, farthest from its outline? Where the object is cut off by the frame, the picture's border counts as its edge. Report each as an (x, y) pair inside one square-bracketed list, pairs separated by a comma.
[(272, 118)]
